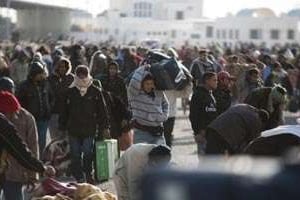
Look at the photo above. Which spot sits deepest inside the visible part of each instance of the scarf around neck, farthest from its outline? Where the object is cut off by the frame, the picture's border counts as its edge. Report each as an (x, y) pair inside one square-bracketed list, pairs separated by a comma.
[(82, 84)]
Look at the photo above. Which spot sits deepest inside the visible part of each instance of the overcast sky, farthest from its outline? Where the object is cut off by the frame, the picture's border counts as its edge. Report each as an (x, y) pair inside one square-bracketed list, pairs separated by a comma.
[(212, 8)]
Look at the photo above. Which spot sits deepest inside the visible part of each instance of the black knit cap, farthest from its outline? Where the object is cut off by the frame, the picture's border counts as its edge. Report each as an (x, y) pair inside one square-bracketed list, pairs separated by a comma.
[(36, 68), (6, 84), (160, 153)]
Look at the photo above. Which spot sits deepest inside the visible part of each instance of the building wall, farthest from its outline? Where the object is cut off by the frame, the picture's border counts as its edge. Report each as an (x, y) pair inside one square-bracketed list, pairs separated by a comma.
[(234, 29), (37, 22), (160, 9)]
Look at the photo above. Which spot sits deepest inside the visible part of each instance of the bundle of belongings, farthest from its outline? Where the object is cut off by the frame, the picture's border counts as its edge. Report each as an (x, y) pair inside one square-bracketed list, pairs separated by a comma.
[(50, 189), (169, 73)]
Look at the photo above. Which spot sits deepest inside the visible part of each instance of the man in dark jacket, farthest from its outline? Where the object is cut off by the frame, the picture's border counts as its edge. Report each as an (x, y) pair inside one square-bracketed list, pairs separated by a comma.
[(12, 145), (59, 80), (36, 96), (114, 83), (203, 108), (234, 129), (84, 115), (271, 99)]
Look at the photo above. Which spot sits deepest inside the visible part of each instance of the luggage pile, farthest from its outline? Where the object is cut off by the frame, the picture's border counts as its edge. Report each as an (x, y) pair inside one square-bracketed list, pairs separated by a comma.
[(51, 189)]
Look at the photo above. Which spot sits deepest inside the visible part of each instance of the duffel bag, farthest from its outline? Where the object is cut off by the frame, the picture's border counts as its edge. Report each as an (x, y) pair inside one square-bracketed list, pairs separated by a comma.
[(168, 74)]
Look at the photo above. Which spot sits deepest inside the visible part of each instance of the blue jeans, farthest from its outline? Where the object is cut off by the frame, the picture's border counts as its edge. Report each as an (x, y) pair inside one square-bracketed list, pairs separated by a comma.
[(42, 127), (13, 190), (145, 137), (81, 157)]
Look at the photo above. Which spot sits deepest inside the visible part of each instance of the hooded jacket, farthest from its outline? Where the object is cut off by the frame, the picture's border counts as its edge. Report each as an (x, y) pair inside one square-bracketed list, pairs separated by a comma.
[(38, 98), (83, 116), (115, 85), (146, 110), (59, 84)]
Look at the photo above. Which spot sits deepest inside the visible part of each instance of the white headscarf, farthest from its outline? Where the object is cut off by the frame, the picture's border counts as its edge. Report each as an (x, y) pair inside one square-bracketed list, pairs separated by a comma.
[(82, 84)]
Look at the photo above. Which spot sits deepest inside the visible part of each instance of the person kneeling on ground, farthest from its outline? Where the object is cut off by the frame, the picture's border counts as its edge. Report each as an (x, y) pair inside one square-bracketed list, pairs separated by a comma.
[(133, 163)]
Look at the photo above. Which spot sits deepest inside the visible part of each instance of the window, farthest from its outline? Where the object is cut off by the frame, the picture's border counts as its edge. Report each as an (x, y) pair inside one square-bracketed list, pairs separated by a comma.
[(209, 31), (230, 34), (179, 15), (173, 34), (237, 34), (274, 34), (224, 35), (291, 34), (195, 36), (142, 9), (218, 34), (255, 34)]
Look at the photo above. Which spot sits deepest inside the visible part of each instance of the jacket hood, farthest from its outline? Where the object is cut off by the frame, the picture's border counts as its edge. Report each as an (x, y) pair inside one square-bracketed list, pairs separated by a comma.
[(36, 68), (100, 55), (68, 63)]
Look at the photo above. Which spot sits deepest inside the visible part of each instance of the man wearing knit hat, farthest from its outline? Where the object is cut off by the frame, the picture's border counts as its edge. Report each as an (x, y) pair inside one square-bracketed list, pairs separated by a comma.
[(84, 115), (16, 176), (11, 145), (271, 99)]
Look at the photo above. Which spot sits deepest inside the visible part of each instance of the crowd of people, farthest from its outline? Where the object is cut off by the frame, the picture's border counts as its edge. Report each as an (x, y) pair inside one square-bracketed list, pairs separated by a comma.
[(88, 92)]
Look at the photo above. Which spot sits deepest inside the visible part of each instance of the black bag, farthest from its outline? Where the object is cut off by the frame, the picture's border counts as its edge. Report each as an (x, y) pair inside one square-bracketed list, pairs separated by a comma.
[(168, 74)]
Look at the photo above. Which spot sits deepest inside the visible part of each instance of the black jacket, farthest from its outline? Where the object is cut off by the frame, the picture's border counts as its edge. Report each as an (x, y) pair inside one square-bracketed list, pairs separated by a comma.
[(203, 109), (83, 116), (119, 115), (13, 145), (37, 99), (59, 86), (116, 86), (238, 126)]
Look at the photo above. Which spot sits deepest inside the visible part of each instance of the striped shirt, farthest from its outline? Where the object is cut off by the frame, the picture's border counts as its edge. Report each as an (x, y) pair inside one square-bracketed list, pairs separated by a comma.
[(146, 110)]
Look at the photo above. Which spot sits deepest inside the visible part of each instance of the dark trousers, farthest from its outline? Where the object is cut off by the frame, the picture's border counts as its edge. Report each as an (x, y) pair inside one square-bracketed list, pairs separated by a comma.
[(216, 144), (13, 190), (168, 130), (81, 157)]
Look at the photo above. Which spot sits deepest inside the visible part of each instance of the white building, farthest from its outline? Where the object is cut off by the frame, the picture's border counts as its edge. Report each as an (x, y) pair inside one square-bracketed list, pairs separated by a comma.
[(175, 22), (258, 26), (158, 9)]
